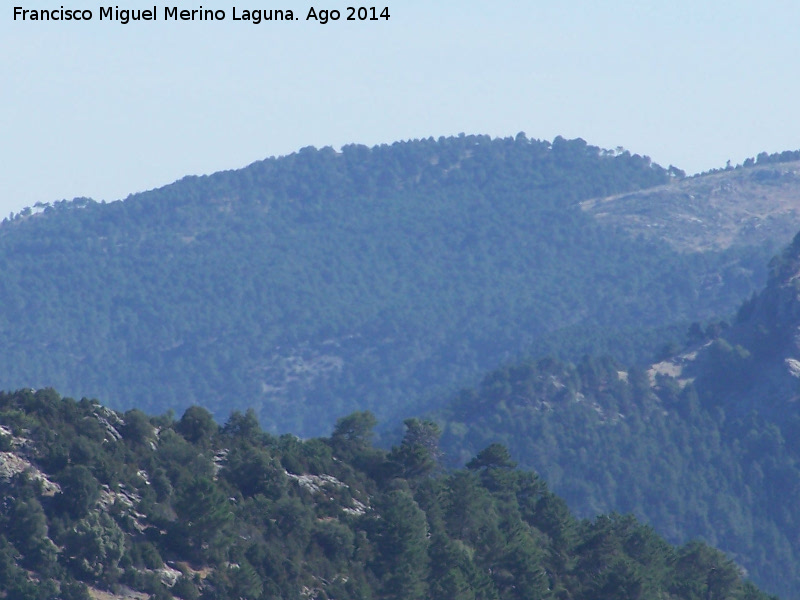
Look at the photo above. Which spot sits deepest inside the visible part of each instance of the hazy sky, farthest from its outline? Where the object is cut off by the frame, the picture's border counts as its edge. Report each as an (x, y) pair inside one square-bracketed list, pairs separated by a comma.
[(102, 109)]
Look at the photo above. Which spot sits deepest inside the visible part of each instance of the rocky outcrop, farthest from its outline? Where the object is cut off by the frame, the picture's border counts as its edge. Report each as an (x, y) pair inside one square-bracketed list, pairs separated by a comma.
[(14, 461)]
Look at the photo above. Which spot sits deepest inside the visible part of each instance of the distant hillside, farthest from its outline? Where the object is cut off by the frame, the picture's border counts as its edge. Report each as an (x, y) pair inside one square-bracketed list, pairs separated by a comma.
[(322, 282), (717, 211), (703, 444), (96, 504)]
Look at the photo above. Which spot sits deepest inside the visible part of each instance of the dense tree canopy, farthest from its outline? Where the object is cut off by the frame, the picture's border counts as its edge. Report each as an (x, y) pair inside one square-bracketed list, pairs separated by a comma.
[(685, 458), (324, 282), (242, 514)]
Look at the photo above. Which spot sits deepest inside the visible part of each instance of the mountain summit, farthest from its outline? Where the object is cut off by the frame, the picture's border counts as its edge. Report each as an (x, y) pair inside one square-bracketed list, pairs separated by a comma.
[(323, 282)]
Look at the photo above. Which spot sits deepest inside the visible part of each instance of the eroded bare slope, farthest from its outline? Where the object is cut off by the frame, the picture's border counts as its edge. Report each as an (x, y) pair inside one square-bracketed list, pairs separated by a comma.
[(717, 211)]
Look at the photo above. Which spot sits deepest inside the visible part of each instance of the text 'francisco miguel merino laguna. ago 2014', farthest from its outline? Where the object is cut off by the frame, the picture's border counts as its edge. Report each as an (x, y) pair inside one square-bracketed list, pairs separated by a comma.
[(175, 13)]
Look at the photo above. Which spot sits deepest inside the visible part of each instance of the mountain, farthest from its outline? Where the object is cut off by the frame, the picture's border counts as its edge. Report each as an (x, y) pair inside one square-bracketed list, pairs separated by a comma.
[(323, 282), (753, 365), (702, 444), (720, 210), (98, 504)]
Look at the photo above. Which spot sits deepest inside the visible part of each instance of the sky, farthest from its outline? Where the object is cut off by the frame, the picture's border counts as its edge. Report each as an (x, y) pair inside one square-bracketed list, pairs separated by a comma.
[(102, 110)]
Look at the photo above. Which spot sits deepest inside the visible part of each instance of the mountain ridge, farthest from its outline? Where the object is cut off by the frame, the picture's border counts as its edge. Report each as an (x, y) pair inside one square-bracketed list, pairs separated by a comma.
[(715, 211), (308, 287), (413, 259)]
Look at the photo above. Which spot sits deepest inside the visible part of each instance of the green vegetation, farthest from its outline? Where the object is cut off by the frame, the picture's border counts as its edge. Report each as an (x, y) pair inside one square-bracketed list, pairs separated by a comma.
[(375, 281), (317, 284), (190, 510), (691, 460)]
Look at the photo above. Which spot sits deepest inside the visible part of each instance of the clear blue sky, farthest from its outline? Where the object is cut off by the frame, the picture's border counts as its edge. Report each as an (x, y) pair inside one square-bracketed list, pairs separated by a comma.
[(102, 109)]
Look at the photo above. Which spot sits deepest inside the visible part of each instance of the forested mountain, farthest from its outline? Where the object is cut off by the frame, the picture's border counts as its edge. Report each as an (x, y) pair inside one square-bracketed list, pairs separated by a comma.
[(705, 443), (323, 282), (149, 507)]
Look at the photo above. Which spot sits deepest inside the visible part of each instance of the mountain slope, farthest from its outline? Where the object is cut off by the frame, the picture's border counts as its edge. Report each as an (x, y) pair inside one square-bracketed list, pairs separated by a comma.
[(153, 507), (610, 444), (318, 283), (703, 444), (753, 366), (719, 210)]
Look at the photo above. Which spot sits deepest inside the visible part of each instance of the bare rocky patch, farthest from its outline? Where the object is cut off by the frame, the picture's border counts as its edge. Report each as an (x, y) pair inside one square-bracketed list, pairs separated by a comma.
[(737, 207)]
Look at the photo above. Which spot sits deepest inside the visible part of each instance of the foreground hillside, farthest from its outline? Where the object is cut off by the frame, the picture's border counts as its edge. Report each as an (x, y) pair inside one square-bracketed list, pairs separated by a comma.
[(153, 507), (703, 444), (323, 282)]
